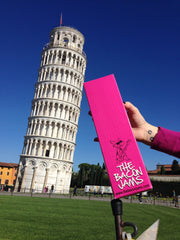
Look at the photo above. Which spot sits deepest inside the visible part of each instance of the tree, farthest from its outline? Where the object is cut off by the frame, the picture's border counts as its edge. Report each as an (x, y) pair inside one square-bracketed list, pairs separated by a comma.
[(83, 173), (175, 166), (82, 176), (91, 174), (162, 172), (103, 166), (74, 179)]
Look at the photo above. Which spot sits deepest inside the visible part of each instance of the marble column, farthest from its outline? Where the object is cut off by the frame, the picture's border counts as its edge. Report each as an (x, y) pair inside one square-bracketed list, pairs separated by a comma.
[(23, 178), (33, 178), (45, 179)]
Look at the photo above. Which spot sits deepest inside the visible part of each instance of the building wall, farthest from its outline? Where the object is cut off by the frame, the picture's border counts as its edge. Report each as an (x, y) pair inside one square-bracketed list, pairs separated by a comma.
[(8, 173), (165, 178)]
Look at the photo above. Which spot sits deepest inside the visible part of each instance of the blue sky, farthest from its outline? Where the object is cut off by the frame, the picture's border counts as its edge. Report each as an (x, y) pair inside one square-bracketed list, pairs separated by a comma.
[(138, 41)]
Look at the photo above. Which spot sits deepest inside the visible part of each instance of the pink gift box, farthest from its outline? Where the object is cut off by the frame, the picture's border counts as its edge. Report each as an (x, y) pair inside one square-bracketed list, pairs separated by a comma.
[(121, 154)]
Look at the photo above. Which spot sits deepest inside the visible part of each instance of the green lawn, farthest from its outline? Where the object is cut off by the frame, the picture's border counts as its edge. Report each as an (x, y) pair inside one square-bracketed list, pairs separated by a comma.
[(26, 218)]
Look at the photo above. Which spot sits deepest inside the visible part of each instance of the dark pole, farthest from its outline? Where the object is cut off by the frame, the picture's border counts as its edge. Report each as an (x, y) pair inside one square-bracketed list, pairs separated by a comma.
[(116, 205)]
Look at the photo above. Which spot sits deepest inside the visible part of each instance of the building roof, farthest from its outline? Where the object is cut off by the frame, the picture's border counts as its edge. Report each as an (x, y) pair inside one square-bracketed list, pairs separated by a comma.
[(4, 164), (153, 171), (167, 168)]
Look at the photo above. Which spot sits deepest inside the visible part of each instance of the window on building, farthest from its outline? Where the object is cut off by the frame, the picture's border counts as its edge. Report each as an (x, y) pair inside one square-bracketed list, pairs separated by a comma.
[(64, 59), (8, 168), (2, 167), (74, 38), (1, 173), (7, 173), (47, 153), (66, 40), (6, 181), (0, 180)]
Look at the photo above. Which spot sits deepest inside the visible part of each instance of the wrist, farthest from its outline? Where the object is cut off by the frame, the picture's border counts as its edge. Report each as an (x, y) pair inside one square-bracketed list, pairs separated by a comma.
[(150, 132)]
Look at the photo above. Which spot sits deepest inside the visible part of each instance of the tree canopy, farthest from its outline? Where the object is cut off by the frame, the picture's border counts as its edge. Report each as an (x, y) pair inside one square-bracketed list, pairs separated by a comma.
[(90, 174), (175, 166)]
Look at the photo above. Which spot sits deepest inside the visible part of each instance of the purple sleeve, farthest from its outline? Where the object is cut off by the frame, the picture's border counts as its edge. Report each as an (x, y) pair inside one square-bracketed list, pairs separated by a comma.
[(167, 141)]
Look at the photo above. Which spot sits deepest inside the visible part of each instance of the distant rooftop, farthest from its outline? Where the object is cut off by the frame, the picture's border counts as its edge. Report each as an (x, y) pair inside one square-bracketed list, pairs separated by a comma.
[(4, 164), (167, 168)]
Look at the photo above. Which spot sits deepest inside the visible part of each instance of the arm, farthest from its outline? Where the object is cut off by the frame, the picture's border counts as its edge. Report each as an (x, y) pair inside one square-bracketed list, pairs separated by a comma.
[(167, 141), (160, 139)]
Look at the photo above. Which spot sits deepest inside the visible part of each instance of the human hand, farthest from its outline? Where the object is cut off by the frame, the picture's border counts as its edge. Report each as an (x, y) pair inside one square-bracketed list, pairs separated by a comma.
[(142, 130)]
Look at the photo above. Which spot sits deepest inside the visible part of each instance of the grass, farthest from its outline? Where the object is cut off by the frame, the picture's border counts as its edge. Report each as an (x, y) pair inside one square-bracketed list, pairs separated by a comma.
[(26, 218)]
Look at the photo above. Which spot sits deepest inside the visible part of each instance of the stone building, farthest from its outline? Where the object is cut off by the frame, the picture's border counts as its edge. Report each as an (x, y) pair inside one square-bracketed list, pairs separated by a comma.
[(8, 172), (47, 156)]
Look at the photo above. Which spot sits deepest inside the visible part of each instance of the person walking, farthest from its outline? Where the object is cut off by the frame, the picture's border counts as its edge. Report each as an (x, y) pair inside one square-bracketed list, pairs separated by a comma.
[(74, 191), (52, 189)]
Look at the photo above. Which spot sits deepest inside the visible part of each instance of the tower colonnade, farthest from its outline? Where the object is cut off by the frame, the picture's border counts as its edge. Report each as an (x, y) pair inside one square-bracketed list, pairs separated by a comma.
[(57, 74), (48, 148), (65, 57), (55, 109), (58, 92), (49, 143), (51, 128)]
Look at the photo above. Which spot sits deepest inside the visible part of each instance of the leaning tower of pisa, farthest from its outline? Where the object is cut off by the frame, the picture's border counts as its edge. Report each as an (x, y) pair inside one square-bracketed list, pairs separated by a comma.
[(49, 143)]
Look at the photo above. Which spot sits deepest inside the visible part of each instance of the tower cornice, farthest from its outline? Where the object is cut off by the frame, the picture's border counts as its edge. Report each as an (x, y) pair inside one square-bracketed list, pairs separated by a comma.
[(60, 46), (69, 29)]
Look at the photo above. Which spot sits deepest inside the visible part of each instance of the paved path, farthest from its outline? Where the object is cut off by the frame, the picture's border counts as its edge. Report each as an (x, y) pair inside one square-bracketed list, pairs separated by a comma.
[(165, 202)]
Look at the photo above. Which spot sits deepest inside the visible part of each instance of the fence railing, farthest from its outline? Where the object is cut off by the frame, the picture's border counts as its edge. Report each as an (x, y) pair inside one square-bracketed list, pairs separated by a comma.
[(81, 194)]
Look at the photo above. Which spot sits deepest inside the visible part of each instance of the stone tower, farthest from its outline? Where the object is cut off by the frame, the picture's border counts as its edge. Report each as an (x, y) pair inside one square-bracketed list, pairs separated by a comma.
[(49, 144)]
